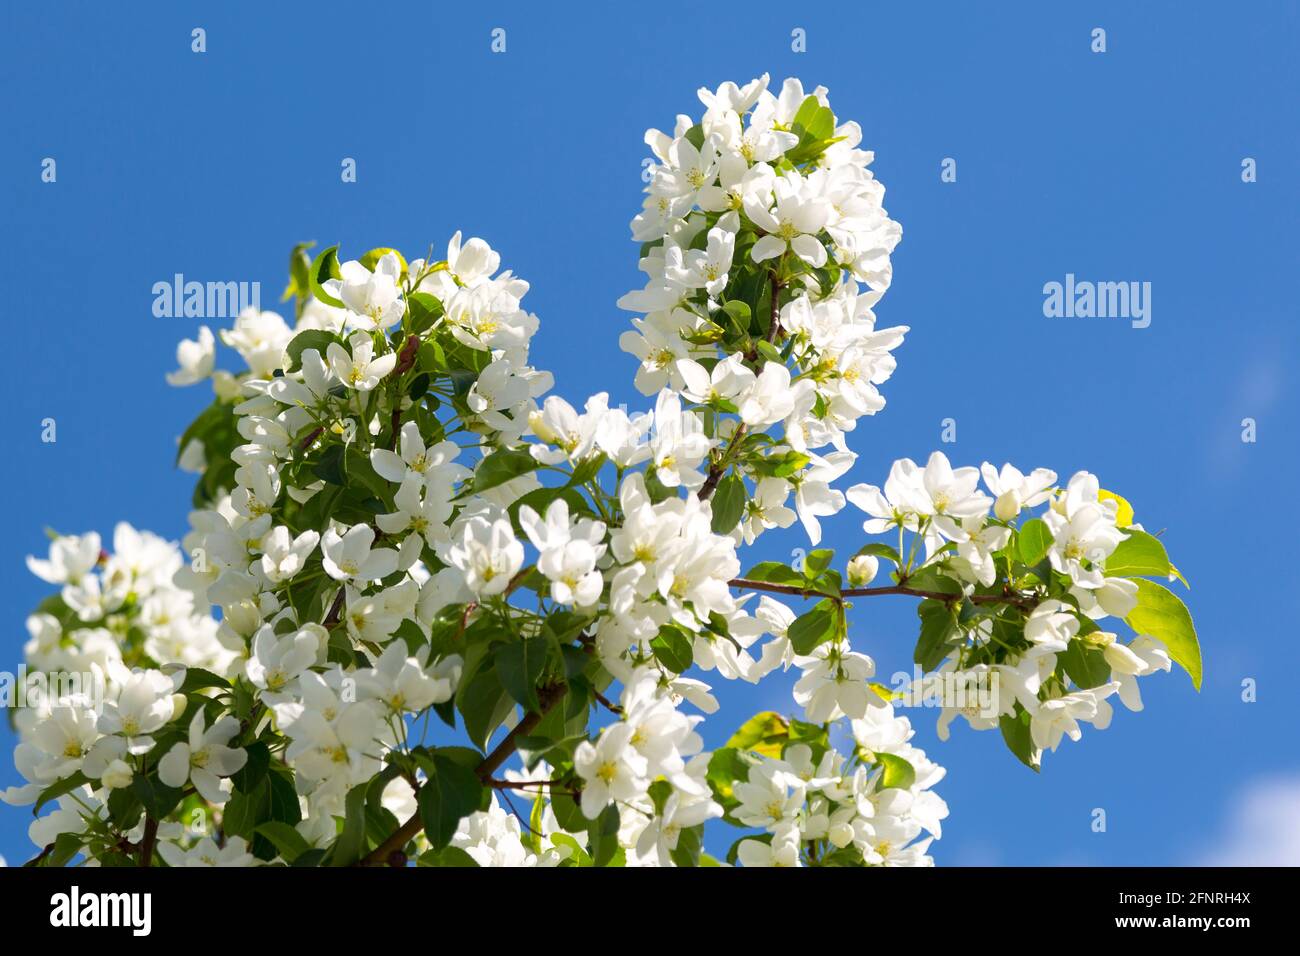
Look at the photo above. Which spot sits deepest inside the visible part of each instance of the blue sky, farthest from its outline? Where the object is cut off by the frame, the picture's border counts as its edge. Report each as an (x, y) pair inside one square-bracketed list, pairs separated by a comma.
[(1120, 166)]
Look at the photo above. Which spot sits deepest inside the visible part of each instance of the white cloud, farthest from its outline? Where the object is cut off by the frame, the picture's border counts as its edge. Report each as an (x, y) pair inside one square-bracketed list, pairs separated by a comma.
[(1262, 827)]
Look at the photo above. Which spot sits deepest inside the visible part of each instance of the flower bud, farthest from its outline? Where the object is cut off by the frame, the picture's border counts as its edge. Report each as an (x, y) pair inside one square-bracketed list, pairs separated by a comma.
[(862, 570), (1102, 639), (841, 834), (1121, 659), (1007, 506), (537, 422), (117, 775)]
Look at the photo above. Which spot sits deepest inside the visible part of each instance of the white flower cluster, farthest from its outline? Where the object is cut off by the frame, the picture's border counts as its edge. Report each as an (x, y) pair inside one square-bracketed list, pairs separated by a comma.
[(846, 803), (393, 524), (738, 199), (105, 663), (946, 507)]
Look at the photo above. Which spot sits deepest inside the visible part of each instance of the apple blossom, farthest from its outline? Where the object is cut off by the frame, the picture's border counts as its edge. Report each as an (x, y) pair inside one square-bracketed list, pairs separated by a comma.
[(394, 522)]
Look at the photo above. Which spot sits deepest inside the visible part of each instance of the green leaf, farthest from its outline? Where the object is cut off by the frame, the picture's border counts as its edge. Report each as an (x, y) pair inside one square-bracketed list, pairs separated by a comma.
[(812, 116), (288, 842), (329, 467), (587, 469), (880, 551), (1015, 732), (254, 769), (351, 843), (689, 844), (157, 798), (764, 733), (323, 268), (299, 279), (539, 499), (728, 766), (673, 649), (1035, 539), (1139, 553), (603, 834), (774, 572), (733, 853), (1124, 510), (770, 351), (371, 259), (932, 578), (811, 629), (577, 854), (124, 808), (780, 466), (519, 666), (1086, 665), (1161, 614), (359, 472), (66, 846), (501, 466), (738, 310), (567, 813), (937, 628), (450, 793), (728, 503), (816, 736), (452, 856), (815, 562), (425, 311), (213, 426), (897, 772), (484, 704), (814, 124), (272, 799), (59, 789), (317, 339), (196, 678)]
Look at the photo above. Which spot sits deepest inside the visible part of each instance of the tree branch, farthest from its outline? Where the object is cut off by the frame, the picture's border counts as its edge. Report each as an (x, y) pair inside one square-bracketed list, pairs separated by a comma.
[(1009, 597), (147, 841), (332, 618), (774, 324), (531, 786), (719, 468), (40, 857), (311, 437), (389, 851)]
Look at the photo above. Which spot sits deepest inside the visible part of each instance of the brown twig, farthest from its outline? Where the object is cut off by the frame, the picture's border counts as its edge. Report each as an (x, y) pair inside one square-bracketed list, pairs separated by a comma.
[(336, 609), (147, 841), (40, 857), (496, 784), (406, 357), (719, 468), (389, 852), (774, 325), (311, 437), (1010, 597), (528, 786)]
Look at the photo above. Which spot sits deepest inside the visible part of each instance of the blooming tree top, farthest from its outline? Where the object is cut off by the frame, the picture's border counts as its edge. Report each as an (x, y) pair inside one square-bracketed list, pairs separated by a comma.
[(426, 611)]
